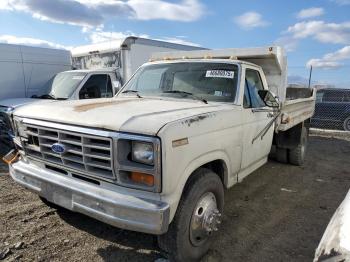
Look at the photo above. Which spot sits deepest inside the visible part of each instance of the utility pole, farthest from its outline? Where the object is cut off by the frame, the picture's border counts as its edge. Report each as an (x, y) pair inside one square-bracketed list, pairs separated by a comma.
[(310, 76)]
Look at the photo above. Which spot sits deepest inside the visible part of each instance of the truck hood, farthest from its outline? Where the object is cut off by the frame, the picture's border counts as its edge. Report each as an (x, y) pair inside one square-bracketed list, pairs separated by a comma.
[(125, 114), (16, 102)]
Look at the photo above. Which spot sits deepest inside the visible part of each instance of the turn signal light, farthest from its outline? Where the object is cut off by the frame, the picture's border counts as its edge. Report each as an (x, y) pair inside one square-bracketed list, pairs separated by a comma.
[(142, 178), (11, 157)]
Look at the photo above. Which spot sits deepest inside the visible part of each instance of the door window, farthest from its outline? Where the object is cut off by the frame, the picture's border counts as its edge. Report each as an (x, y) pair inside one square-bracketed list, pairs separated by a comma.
[(97, 86), (253, 84)]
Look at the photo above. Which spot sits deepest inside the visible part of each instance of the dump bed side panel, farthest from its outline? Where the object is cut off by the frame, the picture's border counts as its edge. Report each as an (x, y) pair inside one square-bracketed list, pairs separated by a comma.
[(296, 111)]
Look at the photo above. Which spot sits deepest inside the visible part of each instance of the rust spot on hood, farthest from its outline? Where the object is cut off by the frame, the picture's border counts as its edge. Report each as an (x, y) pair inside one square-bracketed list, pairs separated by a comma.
[(91, 106), (194, 119)]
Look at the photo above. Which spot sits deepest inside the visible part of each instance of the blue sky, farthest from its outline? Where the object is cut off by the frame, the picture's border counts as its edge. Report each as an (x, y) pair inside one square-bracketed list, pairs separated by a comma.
[(313, 32)]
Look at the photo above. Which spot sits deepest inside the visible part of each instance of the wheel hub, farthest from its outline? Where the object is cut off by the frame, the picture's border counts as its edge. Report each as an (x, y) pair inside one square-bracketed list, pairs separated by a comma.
[(205, 219)]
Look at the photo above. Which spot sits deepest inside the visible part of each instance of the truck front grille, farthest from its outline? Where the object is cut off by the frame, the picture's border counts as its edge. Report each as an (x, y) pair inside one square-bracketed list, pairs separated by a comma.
[(88, 154)]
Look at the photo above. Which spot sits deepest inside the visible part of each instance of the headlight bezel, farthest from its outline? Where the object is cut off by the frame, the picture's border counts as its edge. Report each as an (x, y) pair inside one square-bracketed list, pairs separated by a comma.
[(125, 163)]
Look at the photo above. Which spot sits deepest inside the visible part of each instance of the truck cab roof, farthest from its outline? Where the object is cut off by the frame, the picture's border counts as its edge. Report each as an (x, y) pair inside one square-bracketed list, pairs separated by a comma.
[(213, 60)]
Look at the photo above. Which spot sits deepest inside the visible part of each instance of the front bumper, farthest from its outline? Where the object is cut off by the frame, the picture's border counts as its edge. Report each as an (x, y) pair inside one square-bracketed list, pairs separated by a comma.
[(109, 206)]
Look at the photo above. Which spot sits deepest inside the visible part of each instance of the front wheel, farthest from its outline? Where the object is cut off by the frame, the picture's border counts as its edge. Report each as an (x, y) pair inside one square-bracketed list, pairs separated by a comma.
[(346, 124), (197, 217)]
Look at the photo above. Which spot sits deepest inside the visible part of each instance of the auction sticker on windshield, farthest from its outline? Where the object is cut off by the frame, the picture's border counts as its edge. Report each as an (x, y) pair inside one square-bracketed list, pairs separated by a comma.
[(220, 74)]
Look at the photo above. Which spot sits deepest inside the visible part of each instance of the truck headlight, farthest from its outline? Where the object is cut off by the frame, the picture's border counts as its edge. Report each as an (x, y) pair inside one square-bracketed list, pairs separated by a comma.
[(138, 161), (142, 152)]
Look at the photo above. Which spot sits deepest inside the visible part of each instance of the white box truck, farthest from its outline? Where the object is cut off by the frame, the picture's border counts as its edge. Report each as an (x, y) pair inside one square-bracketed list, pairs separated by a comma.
[(158, 157), (25, 70), (125, 54)]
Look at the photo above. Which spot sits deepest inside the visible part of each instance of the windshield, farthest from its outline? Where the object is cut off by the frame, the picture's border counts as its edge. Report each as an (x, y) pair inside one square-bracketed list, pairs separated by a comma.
[(208, 81), (65, 83)]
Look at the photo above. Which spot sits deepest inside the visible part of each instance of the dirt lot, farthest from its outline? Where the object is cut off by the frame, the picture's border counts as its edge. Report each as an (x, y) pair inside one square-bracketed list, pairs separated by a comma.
[(277, 214)]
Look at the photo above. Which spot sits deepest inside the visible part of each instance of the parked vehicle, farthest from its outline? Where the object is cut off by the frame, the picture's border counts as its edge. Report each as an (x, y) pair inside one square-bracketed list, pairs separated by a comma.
[(158, 157), (335, 243), (25, 70), (332, 109), (126, 54), (67, 85), (105, 67)]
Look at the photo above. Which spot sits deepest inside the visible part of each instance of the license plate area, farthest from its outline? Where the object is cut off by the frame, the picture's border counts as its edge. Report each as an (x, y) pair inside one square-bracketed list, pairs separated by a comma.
[(57, 195)]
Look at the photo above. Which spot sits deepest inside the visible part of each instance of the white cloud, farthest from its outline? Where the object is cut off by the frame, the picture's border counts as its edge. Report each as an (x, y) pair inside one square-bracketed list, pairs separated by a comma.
[(289, 43), (186, 11), (335, 33), (250, 20), (10, 39), (98, 36), (330, 33), (331, 60), (342, 2), (310, 12), (92, 13)]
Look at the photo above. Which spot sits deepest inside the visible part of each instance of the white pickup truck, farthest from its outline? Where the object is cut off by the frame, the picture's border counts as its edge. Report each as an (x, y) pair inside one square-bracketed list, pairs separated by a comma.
[(67, 85), (157, 157)]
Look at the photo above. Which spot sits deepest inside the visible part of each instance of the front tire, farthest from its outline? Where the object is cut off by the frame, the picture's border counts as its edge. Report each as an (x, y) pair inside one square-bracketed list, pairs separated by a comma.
[(346, 124), (198, 215)]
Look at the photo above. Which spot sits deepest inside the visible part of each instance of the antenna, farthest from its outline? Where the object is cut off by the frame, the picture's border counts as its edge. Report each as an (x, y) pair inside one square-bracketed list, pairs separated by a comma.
[(310, 76)]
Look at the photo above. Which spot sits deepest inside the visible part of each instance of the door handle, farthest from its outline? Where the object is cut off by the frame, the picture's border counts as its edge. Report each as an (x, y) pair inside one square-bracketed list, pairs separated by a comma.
[(270, 115)]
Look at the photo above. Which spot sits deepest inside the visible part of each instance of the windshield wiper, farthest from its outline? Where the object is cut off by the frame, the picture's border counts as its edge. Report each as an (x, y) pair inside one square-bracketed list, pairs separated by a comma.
[(187, 94), (132, 91), (49, 96)]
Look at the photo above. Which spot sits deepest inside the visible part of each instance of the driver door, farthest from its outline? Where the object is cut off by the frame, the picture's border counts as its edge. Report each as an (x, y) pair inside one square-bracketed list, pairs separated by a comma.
[(255, 118)]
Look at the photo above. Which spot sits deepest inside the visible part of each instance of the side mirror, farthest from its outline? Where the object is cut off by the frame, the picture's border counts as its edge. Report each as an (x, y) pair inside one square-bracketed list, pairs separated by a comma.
[(269, 98)]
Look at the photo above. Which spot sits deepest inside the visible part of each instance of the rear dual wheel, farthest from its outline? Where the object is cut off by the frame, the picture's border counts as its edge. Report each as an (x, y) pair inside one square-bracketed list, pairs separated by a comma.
[(297, 154), (294, 156)]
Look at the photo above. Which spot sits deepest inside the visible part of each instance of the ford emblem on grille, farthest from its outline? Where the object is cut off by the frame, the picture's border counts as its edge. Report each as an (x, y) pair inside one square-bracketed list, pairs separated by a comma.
[(58, 148)]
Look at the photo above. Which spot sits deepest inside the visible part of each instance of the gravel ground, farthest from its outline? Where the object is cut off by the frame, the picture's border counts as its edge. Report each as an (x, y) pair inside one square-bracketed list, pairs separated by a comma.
[(279, 213)]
